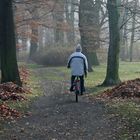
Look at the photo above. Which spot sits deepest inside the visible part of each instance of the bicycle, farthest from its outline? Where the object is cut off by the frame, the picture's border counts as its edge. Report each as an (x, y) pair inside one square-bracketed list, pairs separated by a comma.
[(77, 87)]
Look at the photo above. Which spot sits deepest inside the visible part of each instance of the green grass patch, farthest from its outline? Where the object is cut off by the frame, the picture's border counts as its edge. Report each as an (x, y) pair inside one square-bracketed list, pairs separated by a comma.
[(127, 71), (34, 66), (55, 73)]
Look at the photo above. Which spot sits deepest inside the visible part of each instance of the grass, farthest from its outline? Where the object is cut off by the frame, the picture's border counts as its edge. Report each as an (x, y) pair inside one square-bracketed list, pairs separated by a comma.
[(127, 71), (34, 66), (128, 109)]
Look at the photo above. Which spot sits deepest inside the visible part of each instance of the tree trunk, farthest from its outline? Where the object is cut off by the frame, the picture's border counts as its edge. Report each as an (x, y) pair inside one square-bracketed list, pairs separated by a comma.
[(9, 68), (34, 37), (96, 10), (87, 27), (86, 54), (69, 8), (123, 25), (84, 37), (96, 26), (112, 75), (133, 30), (41, 34), (93, 58), (58, 16), (72, 20)]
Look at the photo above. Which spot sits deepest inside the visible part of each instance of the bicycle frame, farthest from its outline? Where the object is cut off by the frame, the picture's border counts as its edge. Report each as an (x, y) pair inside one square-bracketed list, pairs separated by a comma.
[(77, 87)]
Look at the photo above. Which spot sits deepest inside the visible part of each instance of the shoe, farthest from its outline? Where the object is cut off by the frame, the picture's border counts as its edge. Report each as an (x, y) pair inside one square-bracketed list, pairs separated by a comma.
[(71, 89), (84, 89)]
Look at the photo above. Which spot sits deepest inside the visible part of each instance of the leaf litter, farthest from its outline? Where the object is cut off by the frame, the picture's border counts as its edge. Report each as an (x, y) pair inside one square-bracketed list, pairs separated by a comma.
[(127, 89), (12, 92)]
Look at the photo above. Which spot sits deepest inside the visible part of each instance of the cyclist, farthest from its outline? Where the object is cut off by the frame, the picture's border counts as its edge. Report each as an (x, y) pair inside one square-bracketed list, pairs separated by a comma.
[(79, 67)]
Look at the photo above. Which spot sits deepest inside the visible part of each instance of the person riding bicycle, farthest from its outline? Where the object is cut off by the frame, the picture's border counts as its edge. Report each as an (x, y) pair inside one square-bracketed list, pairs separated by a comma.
[(79, 67)]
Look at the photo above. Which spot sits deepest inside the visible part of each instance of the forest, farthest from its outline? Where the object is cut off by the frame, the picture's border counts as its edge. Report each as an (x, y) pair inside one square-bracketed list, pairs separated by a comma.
[(37, 38)]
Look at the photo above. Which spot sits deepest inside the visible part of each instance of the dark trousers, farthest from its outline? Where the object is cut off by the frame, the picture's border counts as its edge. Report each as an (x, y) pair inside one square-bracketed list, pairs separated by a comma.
[(81, 82)]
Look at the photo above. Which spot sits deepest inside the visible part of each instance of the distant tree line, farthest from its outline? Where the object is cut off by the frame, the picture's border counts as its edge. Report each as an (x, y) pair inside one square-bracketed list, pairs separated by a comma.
[(113, 24)]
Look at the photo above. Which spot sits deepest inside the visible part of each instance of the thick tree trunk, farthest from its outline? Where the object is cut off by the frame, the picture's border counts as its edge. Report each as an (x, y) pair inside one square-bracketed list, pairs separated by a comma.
[(112, 75), (96, 37), (84, 46), (9, 68), (86, 54), (84, 38), (89, 27), (93, 58)]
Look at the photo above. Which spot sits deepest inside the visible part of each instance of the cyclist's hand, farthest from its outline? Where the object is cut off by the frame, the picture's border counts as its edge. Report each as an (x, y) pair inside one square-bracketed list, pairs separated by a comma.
[(85, 75)]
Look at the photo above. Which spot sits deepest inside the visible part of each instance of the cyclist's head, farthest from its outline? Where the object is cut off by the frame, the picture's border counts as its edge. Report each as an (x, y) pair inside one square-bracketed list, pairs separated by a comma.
[(78, 48)]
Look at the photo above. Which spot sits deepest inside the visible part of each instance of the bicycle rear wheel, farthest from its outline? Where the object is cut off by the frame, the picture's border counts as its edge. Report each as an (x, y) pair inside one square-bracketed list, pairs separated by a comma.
[(77, 88), (76, 95)]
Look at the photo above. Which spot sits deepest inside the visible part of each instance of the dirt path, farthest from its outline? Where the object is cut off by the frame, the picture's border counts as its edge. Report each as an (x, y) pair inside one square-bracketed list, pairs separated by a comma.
[(56, 116)]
